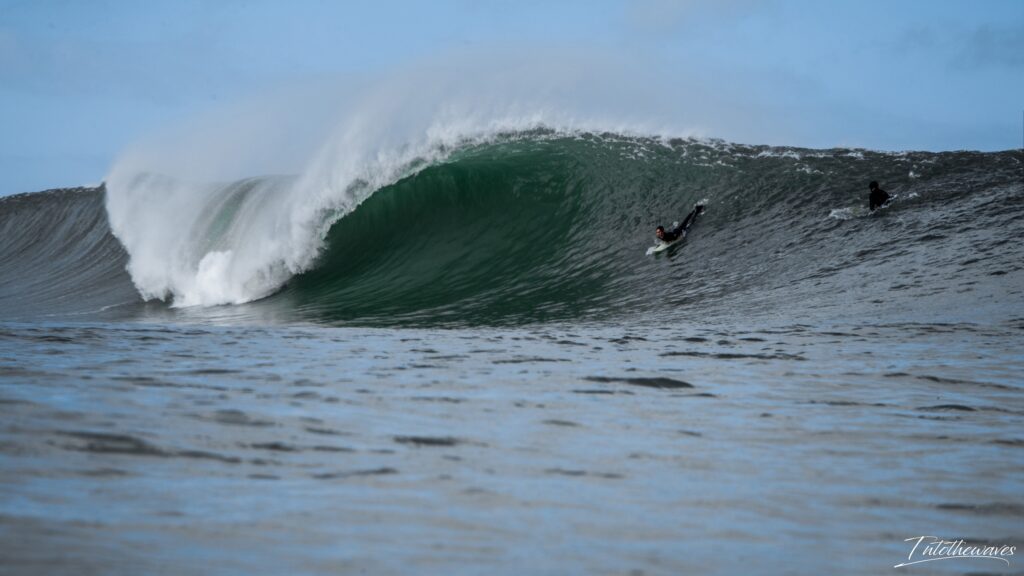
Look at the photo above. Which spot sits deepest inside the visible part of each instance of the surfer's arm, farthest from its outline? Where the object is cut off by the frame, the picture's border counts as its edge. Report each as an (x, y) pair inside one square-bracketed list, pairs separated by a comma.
[(690, 217)]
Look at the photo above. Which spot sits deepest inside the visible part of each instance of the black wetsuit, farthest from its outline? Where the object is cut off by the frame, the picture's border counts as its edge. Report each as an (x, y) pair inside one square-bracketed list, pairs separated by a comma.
[(877, 199), (675, 233)]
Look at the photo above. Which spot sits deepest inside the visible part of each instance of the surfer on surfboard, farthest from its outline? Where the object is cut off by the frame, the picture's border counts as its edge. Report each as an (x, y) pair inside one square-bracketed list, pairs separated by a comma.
[(677, 232)]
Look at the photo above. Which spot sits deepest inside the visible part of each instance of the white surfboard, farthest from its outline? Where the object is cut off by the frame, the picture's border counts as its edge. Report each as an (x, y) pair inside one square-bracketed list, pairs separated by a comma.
[(661, 246)]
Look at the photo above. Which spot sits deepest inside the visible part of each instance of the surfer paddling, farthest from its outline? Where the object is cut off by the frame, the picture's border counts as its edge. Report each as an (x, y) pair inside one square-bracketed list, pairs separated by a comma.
[(678, 231), (878, 197)]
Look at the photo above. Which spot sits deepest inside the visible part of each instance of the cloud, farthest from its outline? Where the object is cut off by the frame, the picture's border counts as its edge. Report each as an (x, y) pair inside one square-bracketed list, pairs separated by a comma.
[(989, 45), (671, 16), (164, 68), (983, 46)]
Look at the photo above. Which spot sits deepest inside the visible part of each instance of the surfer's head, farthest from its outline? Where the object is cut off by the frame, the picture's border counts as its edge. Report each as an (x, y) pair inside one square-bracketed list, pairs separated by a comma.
[(659, 231), (873, 186)]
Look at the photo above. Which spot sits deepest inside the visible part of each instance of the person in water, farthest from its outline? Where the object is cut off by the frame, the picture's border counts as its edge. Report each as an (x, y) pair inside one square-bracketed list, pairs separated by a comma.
[(878, 197), (677, 232)]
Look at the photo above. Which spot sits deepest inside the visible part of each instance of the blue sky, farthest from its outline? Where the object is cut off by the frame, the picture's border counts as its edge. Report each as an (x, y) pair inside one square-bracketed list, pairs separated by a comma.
[(82, 80)]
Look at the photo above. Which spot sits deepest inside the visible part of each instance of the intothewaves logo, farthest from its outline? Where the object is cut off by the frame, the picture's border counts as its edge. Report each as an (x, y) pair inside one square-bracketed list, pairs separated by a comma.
[(932, 548)]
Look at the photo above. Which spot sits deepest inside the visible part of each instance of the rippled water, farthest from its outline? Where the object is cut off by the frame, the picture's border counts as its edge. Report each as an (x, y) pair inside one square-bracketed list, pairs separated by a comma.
[(142, 448)]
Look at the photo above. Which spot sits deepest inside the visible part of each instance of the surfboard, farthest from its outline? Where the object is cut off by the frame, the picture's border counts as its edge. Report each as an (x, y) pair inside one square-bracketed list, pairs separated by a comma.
[(661, 246)]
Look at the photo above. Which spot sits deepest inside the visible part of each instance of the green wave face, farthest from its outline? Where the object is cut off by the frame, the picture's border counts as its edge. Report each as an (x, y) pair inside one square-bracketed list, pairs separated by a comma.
[(504, 233)]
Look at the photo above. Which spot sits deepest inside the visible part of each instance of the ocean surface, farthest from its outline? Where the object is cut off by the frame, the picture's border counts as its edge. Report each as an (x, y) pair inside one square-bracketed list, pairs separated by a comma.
[(457, 359)]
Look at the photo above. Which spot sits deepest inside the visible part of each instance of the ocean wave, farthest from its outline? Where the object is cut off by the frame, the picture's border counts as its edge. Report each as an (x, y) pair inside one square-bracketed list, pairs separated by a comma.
[(532, 225)]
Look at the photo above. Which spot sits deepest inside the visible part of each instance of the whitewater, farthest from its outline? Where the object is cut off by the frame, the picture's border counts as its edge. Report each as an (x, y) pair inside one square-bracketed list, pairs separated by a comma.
[(430, 341)]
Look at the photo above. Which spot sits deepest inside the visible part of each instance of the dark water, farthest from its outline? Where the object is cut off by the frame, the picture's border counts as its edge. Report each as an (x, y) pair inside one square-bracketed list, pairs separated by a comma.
[(482, 372)]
